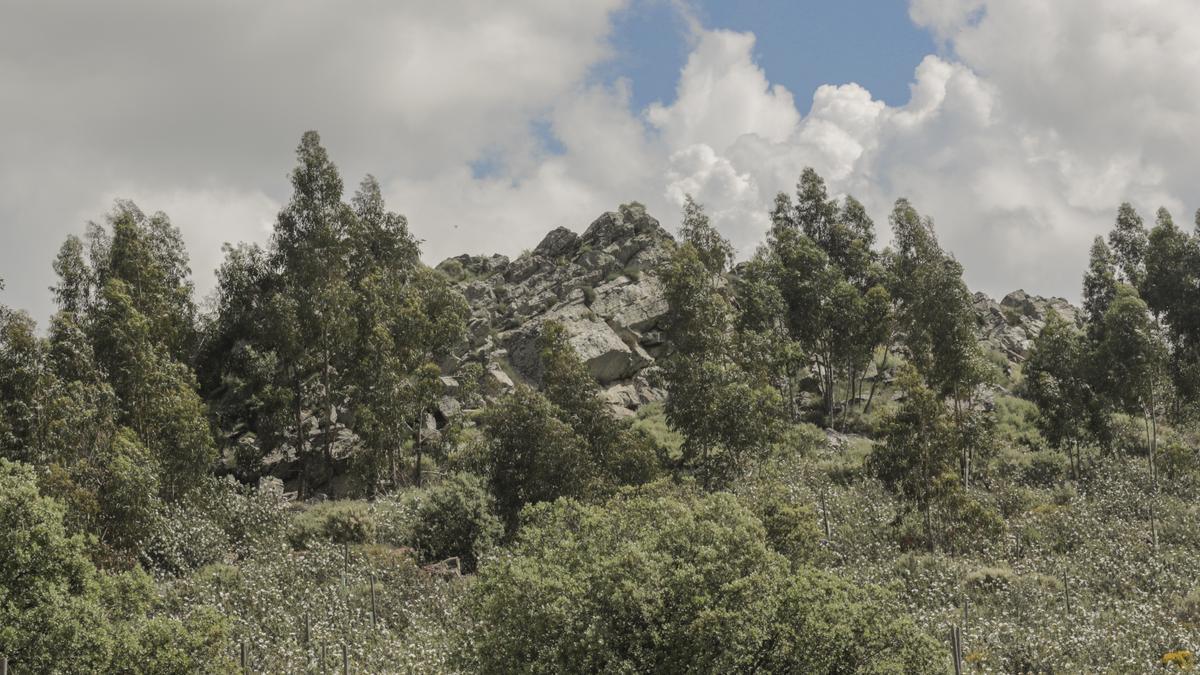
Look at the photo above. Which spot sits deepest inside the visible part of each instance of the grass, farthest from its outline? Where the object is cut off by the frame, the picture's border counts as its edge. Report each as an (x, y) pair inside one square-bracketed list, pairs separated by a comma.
[(652, 418)]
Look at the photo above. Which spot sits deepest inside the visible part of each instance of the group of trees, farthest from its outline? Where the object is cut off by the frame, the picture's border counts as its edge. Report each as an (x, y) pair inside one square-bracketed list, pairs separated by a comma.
[(819, 309), (107, 403), (335, 325), (326, 351), (1138, 349)]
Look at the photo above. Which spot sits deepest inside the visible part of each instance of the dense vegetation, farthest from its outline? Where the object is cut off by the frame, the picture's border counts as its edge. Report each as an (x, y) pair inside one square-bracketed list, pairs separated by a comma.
[(839, 471)]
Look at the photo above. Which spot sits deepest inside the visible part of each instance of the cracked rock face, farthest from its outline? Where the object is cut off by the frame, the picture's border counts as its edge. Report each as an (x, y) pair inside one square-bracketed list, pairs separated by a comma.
[(601, 286), (1011, 325)]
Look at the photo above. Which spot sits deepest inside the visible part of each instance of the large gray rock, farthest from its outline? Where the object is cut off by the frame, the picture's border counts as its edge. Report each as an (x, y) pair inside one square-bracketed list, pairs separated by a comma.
[(637, 305), (602, 287), (1011, 325), (559, 242), (599, 345)]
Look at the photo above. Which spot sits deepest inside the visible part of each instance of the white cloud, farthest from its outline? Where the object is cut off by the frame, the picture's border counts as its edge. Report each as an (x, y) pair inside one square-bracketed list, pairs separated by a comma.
[(1020, 139), (723, 94), (1020, 142), (155, 99)]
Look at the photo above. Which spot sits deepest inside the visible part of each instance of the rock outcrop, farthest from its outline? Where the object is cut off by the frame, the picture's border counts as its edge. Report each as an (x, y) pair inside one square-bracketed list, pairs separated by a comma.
[(1011, 325), (602, 286)]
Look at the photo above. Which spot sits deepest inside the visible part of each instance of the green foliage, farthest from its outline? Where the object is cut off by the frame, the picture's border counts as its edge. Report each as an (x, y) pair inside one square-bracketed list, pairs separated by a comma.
[(614, 588), (726, 417), (792, 529), (456, 518), (59, 614), (215, 520), (340, 522), (531, 455), (919, 455), (622, 455), (814, 295), (652, 420), (714, 251), (48, 608)]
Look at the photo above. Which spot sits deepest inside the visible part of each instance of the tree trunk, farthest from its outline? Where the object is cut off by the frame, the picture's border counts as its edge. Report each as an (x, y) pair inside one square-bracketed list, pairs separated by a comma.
[(928, 526), (298, 394), (328, 387), (417, 472), (392, 466), (878, 374)]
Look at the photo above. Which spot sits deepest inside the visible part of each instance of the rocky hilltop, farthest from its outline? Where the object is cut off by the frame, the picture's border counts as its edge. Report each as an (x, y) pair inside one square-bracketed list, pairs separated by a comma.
[(1010, 326), (603, 287)]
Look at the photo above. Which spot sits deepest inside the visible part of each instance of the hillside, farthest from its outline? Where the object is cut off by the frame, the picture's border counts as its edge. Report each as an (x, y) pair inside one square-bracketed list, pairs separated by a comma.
[(617, 452)]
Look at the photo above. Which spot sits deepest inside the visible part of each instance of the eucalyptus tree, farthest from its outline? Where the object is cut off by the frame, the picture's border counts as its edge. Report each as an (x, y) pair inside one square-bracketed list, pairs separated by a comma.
[(826, 280), (725, 415), (1135, 354)]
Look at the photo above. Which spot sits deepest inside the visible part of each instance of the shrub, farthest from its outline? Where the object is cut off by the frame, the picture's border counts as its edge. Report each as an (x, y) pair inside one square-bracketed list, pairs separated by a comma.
[(671, 583), (1046, 468), (792, 528), (652, 419), (801, 439), (456, 519), (58, 613), (216, 519), (635, 457), (341, 522), (987, 581)]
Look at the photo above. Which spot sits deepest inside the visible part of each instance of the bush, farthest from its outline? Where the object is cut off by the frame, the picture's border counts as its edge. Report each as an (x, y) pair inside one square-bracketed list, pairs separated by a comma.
[(58, 613), (340, 522), (987, 581), (792, 528), (673, 583), (1046, 468), (215, 520), (456, 519)]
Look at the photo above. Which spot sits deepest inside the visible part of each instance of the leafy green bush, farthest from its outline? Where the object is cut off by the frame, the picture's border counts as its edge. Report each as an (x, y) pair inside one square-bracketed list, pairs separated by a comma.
[(215, 520), (652, 419), (668, 583), (340, 522), (456, 519), (1047, 468), (58, 613), (792, 528)]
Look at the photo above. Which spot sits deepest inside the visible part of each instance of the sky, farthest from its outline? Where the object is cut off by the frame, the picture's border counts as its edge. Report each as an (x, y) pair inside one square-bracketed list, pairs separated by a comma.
[(1019, 126)]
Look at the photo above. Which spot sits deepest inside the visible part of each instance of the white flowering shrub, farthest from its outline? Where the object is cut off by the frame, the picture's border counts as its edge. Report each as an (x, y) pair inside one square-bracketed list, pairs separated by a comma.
[(1097, 576)]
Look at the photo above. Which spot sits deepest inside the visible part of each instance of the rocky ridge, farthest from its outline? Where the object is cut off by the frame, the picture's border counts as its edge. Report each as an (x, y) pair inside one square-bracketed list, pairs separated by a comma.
[(602, 286), (1010, 326)]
